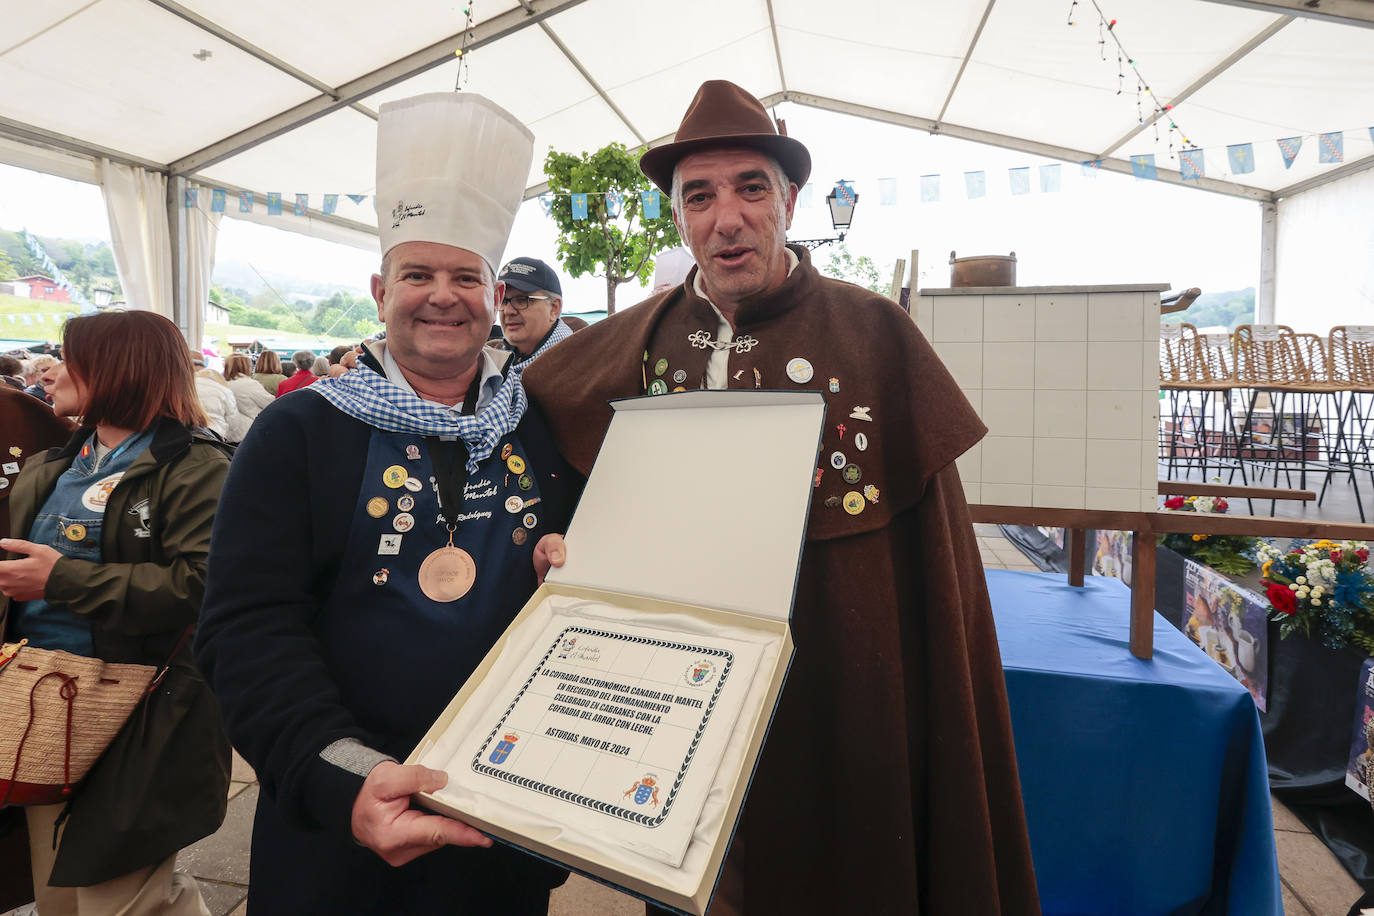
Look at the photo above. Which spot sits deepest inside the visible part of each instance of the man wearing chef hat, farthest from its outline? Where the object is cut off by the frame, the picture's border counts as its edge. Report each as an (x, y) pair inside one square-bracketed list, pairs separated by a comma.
[(426, 478)]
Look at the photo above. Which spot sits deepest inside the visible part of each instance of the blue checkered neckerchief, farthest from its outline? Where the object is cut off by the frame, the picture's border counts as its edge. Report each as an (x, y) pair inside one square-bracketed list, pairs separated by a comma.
[(366, 395), (560, 332)]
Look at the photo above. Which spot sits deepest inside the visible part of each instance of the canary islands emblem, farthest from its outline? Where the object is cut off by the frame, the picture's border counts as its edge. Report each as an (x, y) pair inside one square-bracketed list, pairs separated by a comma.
[(646, 790), (503, 748), (700, 673)]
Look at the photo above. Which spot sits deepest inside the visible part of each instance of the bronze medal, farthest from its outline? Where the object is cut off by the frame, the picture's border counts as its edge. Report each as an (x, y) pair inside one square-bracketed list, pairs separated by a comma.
[(447, 574)]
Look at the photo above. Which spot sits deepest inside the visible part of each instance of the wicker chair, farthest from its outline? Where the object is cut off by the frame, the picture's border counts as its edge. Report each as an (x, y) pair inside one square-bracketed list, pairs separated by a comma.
[(1195, 381), (1273, 363), (1351, 373)]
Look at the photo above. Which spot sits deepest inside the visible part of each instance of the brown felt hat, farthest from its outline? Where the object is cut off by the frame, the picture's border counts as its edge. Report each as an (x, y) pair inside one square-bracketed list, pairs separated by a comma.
[(723, 114)]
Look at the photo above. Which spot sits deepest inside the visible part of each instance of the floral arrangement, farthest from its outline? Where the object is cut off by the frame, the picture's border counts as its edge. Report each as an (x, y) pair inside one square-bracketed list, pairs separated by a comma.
[(1323, 589), (1226, 553)]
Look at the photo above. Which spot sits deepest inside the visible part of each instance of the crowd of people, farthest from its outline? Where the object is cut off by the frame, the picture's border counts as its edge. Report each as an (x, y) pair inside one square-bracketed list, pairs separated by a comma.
[(324, 652)]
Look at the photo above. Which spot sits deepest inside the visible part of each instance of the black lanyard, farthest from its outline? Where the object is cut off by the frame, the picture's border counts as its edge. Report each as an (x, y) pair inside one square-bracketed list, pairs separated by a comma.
[(450, 460)]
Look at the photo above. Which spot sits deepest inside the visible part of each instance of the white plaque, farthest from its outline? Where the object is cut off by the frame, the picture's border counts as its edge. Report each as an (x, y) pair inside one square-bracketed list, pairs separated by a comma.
[(612, 728)]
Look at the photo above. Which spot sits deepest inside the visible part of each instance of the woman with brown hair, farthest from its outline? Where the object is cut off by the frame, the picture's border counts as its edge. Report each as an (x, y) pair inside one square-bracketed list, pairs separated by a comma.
[(113, 567), (249, 395), (268, 371)]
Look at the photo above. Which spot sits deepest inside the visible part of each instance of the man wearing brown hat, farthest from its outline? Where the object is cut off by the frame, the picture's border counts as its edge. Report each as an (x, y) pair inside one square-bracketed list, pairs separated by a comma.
[(888, 782)]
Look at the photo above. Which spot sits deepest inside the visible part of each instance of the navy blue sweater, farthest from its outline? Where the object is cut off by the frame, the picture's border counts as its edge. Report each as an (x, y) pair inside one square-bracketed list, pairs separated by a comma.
[(275, 563)]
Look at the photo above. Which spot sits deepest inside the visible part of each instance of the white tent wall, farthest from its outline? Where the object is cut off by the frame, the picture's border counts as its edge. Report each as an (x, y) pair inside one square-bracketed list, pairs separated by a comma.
[(1325, 260)]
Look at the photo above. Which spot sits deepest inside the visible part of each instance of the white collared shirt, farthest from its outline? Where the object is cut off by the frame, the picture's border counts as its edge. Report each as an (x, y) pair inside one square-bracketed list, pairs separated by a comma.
[(718, 363), (491, 379)]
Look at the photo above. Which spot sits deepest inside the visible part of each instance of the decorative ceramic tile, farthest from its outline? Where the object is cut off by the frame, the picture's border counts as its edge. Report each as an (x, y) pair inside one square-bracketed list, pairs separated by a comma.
[(1059, 497), (1061, 365), (1007, 459), (1012, 412), (1008, 318), (1113, 463), (1008, 365), (1115, 316), (958, 318), (963, 360), (1061, 414), (1061, 317), (1059, 462), (1114, 365)]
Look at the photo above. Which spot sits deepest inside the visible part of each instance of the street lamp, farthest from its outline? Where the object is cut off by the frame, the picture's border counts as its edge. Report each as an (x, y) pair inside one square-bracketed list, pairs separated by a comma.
[(102, 295), (841, 200)]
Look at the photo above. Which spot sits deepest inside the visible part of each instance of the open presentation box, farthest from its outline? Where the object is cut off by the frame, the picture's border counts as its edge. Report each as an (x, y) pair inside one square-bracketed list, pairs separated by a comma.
[(685, 545)]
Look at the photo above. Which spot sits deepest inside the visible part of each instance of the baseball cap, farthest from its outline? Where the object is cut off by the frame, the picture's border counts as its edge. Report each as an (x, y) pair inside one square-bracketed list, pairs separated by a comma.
[(530, 275)]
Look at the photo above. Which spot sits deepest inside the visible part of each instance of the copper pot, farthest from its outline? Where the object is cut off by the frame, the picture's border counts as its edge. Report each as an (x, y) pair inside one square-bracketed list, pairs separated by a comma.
[(987, 270)]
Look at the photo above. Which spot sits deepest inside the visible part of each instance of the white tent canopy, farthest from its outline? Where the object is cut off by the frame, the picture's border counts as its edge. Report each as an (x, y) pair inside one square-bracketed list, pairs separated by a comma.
[(286, 98)]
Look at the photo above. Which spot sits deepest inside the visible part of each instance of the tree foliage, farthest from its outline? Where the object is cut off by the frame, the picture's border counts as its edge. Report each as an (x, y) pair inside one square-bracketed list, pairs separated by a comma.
[(857, 269), (1225, 309), (618, 247)]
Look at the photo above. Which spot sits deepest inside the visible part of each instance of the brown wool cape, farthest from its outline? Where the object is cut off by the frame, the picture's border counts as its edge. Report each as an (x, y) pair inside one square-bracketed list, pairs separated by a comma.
[(888, 783)]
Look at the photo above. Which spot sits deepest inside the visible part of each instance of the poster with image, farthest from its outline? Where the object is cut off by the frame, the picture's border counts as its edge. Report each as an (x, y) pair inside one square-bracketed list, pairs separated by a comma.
[(1229, 623), (1113, 557), (1360, 751)]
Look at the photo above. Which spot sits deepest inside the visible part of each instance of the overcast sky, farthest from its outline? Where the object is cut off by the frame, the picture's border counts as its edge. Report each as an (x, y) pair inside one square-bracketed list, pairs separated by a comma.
[(1108, 228)]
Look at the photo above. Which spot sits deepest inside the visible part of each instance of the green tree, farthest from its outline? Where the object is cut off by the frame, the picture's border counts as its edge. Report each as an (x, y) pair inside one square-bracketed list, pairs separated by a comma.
[(618, 246), (860, 270), (7, 269)]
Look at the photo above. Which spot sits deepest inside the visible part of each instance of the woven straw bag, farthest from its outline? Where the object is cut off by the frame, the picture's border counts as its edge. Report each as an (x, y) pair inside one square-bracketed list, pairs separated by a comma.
[(58, 713)]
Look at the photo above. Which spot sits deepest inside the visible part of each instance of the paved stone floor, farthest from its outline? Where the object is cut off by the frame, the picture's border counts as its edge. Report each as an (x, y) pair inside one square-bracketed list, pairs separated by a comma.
[(1314, 883)]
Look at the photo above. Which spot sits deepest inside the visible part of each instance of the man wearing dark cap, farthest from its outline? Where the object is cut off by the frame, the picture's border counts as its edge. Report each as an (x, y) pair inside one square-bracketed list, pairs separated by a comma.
[(530, 309), (888, 782)]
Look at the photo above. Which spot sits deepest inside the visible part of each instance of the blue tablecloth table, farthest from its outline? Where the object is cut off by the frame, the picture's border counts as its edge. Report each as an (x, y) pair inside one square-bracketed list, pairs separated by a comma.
[(1145, 782)]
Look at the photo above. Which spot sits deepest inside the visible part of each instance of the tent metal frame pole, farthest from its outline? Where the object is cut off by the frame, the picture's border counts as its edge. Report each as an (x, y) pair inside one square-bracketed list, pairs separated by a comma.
[(1269, 243), (963, 65), (37, 136), (176, 237), (345, 95), (1227, 63), (1346, 12), (586, 74), (1064, 154), (777, 46), (1316, 181)]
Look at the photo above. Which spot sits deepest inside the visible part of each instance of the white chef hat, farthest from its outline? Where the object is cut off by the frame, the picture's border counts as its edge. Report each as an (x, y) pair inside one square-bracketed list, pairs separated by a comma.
[(451, 168)]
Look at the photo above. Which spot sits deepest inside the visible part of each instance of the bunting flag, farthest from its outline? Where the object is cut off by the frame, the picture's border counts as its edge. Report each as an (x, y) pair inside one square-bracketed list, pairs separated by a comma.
[(357, 198), (27, 319), (188, 198), (1089, 168), (1241, 157), (887, 192), (1019, 180), (245, 201), (612, 204), (331, 203), (302, 204), (975, 184), (1288, 148), (930, 188), (1191, 164), (274, 203), (804, 196), (1050, 176), (844, 192), (217, 197), (579, 206), (1143, 167), (1331, 147), (546, 203), (650, 201)]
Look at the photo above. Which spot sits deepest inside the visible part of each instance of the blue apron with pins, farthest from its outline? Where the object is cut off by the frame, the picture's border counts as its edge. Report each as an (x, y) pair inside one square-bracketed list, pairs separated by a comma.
[(397, 655)]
